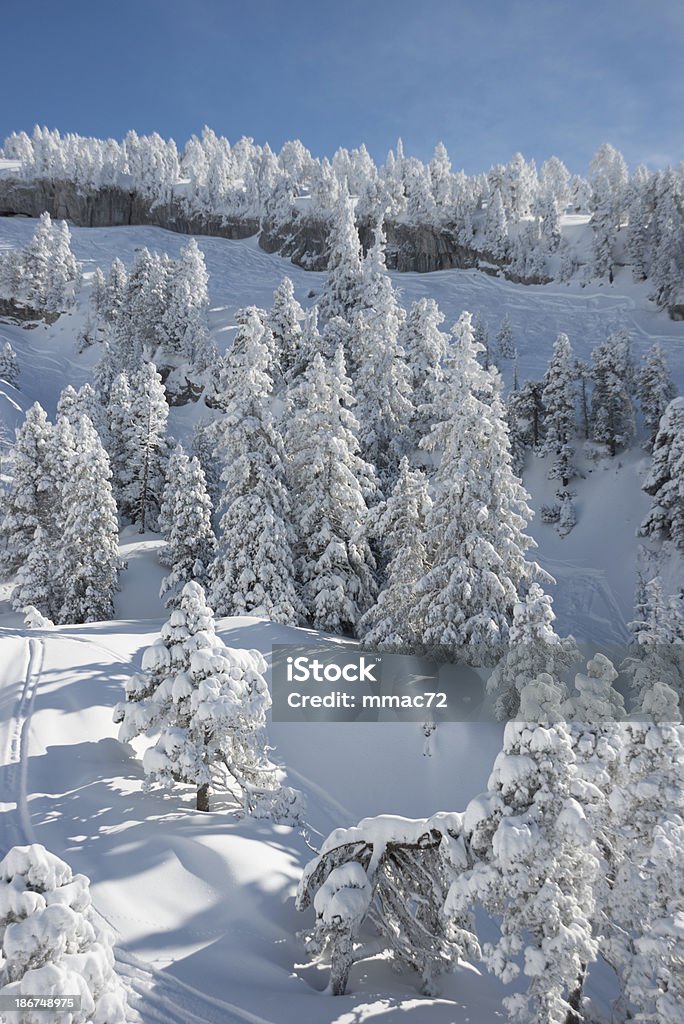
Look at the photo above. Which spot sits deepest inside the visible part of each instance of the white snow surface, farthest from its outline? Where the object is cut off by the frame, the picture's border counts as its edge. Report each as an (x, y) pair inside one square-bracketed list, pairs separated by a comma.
[(203, 904)]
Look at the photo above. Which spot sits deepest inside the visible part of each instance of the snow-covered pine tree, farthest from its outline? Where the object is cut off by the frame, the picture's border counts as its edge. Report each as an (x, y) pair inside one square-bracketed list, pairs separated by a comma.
[(538, 863), (527, 415), (253, 571), (657, 654), (654, 979), (285, 323), (36, 264), (505, 339), (342, 291), (382, 380), (35, 581), (665, 481), (9, 369), (474, 533), (186, 316), (98, 293), (655, 390), (612, 412), (425, 349), (399, 525), (29, 502), (64, 273), (118, 425), (534, 647), (481, 332), (333, 483), (208, 702), (53, 942), (648, 796), (147, 448), (89, 550), (559, 397), (185, 523), (495, 239), (116, 291)]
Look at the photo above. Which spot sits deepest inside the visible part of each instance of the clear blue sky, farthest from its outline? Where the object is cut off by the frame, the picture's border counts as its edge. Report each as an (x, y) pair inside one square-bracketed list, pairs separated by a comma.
[(487, 77)]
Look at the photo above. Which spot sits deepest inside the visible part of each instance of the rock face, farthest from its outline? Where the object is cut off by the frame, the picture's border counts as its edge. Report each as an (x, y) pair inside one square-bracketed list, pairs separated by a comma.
[(111, 207), (410, 247), (10, 310)]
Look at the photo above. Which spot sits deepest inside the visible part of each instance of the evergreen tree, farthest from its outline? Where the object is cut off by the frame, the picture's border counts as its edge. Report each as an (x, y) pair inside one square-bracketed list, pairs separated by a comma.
[(612, 412), (559, 398), (538, 866), (399, 525), (655, 390), (665, 481), (186, 322), (89, 552), (253, 572), (382, 384), (208, 702), (534, 647), (475, 528), (9, 370), (505, 339), (147, 448), (52, 941), (29, 502), (648, 797), (332, 483), (495, 240), (285, 323), (37, 264), (425, 349), (118, 431), (342, 291), (116, 291), (528, 414), (185, 522)]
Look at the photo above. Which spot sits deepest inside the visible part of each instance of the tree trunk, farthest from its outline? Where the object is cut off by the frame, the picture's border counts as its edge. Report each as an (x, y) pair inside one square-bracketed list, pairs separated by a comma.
[(575, 998), (203, 797), (341, 963)]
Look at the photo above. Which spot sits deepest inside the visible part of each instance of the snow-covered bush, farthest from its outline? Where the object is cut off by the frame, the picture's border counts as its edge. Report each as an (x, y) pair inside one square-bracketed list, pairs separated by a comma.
[(52, 943)]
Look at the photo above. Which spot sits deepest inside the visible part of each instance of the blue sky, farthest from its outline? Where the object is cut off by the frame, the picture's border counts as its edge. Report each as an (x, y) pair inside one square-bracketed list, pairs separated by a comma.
[(487, 77)]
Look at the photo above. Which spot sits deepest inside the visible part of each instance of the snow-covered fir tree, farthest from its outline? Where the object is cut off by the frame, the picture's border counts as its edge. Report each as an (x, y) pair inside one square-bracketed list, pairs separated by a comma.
[(335, 566), (253, 571), (534, 647), (475, 529), (89, 549), (382, 380), (28, 503), (505, 338), (185, 523), (559, 398), (657, 652), (655, 390), (665, 480), (647, 797), (342, 291), (612, 411), (538, 863), (208, 704), (52, 941), (147, 449), (425, 349), (285, 323), (9, 368), (495, 238), (398, 524)]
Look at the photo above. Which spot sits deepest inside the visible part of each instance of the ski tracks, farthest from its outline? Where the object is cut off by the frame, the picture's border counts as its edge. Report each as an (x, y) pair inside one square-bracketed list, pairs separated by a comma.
[(18, 729)]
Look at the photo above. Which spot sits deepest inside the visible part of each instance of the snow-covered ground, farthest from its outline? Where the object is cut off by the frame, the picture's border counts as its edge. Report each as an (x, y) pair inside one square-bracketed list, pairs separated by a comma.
[(202, 904)]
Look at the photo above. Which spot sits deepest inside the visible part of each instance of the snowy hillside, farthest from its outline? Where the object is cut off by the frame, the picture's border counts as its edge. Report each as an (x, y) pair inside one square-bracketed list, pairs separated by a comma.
[(202, 904)]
